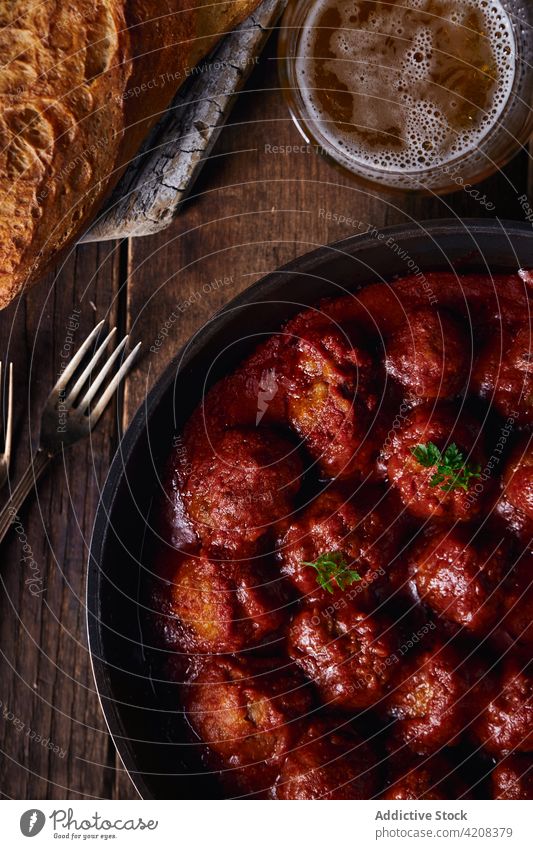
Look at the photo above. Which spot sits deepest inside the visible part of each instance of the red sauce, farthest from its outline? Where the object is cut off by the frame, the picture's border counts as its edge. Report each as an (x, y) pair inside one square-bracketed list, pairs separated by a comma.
[(301, 688)]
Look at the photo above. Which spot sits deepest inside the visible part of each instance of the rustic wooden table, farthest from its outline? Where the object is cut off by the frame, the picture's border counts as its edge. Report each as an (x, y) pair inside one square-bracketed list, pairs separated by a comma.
[(263, 199)]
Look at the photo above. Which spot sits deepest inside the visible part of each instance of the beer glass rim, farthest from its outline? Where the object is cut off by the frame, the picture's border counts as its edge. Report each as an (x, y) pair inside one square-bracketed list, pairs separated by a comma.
[(424, 181)]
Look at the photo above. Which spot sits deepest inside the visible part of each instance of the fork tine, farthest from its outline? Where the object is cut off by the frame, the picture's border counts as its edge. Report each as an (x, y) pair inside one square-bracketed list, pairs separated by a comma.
[(96, 384), (9, 426), (95, 414), (77, 358), (86, 373)]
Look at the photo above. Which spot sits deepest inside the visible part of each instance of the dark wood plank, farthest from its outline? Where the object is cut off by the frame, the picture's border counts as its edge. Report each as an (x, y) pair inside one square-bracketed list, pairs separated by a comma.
[(257, 206), (264, 198), (48, 692)]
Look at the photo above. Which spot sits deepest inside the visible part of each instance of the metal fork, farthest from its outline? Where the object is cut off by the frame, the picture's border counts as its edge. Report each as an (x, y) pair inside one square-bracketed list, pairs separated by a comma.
[(67, 417), (5, 458)]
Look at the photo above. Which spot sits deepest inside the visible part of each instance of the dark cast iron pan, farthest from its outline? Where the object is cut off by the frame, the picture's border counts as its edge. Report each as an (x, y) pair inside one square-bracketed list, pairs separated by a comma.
[(143, 718)]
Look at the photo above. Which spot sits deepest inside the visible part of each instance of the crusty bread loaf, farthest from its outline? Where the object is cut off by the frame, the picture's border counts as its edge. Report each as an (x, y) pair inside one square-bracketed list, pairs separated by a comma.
[(214, 20), (81, 82)]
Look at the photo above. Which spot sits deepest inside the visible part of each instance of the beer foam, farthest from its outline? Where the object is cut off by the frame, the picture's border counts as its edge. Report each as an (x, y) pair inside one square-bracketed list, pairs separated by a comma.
[(386, 65)]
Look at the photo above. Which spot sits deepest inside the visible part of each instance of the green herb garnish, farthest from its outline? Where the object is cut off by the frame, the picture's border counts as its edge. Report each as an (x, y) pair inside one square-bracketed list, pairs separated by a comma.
[(452, 471), (332, 566)]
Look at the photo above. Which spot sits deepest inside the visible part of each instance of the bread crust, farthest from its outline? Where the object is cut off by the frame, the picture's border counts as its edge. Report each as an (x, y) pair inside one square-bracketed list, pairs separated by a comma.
[(81, 83)]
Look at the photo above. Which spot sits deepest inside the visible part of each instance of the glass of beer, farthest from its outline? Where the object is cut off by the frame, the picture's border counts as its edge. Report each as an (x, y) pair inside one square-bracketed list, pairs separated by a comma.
[(423, 95)]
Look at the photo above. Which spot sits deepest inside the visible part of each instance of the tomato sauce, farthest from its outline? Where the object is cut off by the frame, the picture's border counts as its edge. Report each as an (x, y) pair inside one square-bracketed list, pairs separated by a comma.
[(347, 530)]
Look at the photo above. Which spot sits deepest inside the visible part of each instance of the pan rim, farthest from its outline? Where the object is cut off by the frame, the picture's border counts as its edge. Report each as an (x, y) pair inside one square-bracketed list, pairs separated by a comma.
[(350, 246)]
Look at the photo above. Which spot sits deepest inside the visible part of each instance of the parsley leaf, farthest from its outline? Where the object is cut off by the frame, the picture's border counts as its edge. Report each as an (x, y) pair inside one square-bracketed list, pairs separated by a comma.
[(452, 471), (330, 567), (427, 455)]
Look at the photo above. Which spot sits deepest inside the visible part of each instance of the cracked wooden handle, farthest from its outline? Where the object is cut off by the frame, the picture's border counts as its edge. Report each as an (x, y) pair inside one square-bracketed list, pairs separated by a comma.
[(150, 193)]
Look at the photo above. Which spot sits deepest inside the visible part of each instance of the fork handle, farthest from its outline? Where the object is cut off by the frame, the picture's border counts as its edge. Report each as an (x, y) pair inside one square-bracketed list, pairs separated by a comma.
[(9, 513)]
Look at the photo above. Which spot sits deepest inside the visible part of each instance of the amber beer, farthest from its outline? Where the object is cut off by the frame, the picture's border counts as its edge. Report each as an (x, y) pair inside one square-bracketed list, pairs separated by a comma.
[(398, 91)]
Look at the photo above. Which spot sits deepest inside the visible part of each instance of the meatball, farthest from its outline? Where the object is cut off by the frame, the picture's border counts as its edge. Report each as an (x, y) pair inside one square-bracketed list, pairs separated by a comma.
[(428, 355), (425, 778), (248, 714), (327, 763), (211, 606), (331, 400), (348, 654), (476, 298), (516, 503), (506, 723), (237, 493), (430, 702), (367, 531), (255, 394), (503, 373), (459, 577), (416, 483), (513, 778)]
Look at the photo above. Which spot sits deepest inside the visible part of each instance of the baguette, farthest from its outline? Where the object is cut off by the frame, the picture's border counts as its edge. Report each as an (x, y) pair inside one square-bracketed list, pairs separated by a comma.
[(81, 83)]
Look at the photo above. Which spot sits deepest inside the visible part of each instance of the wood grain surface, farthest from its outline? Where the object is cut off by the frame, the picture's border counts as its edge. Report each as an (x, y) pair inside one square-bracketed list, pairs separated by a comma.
[(258, 204)]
